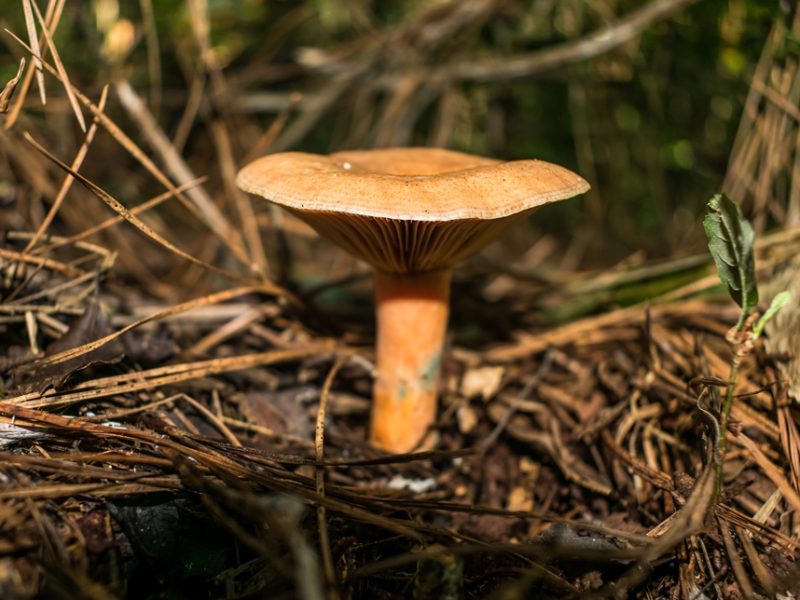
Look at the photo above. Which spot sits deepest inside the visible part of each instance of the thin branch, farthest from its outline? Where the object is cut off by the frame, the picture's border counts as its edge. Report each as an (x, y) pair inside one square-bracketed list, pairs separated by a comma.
[(319, 477), (30, 25), (67, 183), (560, 55), (176, 166)]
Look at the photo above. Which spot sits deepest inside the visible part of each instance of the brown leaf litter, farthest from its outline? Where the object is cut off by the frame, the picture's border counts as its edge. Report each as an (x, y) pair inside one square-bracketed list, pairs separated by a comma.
[(582, 468)]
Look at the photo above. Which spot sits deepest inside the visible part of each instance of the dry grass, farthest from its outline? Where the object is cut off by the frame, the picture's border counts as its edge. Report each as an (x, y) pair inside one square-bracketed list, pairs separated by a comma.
[(571, 460)]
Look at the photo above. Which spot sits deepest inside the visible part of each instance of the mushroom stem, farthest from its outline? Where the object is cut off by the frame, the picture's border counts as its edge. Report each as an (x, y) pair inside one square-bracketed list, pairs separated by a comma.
[(412, 312)]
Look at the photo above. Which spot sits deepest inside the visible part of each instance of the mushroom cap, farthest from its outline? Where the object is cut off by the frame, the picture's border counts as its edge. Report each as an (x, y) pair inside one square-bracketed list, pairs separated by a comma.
[(408, 209)]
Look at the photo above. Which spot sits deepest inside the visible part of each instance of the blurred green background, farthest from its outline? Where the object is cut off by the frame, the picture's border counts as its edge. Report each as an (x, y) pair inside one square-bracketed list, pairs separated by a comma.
[(650, 122)]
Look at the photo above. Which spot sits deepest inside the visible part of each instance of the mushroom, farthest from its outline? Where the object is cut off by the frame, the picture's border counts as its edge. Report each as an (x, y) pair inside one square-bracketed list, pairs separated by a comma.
[(411, 213)]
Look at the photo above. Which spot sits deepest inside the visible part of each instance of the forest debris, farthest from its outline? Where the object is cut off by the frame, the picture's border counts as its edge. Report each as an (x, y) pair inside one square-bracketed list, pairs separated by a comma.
[(440, 574), (8, 90), (574, 544), (171, 532), (33, 37), (619, 405), (551, 442), (520, 499), (467, 418), (11, 434), (282, 412), (783, 331), (92, 325), (482, 381), (150, 349), (416, 486)]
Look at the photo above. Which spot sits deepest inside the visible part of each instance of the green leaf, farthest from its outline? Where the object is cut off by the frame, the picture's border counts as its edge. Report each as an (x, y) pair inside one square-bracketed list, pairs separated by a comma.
[(778, 302), (730, 241)]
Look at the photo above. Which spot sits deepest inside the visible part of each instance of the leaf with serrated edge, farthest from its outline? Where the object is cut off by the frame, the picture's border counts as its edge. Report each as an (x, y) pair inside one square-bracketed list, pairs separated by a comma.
[(730, 241)]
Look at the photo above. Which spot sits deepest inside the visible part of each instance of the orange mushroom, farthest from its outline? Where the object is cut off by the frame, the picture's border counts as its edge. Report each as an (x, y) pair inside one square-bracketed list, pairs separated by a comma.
[(411, 213)]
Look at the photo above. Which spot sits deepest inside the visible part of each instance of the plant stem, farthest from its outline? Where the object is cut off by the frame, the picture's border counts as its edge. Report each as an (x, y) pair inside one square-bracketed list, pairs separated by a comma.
[(725, 413)]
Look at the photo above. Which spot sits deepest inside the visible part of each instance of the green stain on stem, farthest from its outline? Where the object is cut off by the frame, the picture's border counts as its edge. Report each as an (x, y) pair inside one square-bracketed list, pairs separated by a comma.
[(431, 370)]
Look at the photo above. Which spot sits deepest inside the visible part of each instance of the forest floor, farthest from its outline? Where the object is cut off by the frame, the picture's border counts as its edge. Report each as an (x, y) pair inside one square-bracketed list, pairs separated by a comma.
[(182, 418), (170, 451)]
